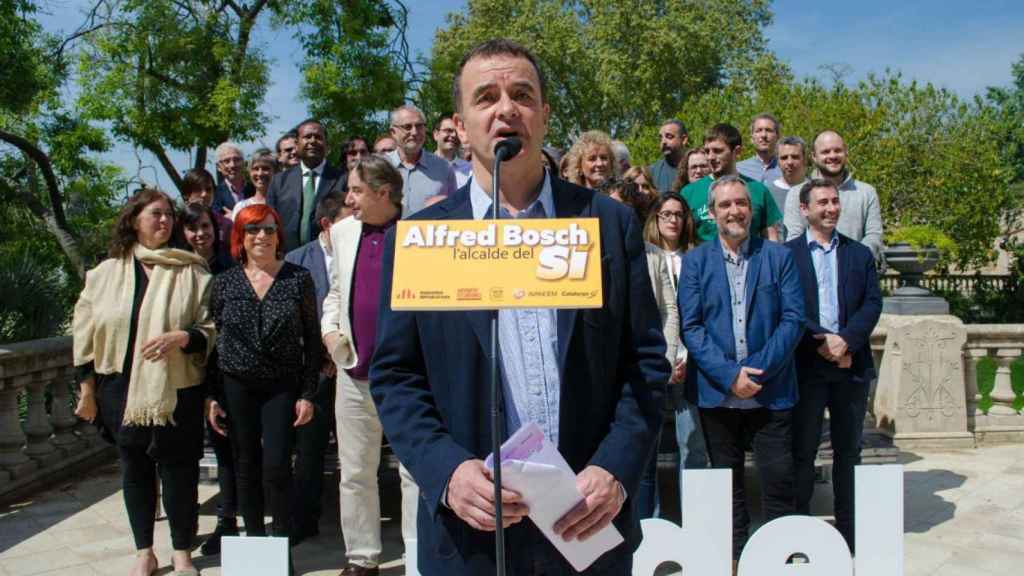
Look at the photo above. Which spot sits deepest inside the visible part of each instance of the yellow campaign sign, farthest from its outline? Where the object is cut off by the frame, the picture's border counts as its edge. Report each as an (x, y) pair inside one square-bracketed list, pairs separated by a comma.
[(484, 265)]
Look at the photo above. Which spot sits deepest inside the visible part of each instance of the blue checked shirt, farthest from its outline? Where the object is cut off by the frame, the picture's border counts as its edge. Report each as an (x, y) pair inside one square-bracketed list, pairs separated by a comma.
[(527, 338), (826, 271)]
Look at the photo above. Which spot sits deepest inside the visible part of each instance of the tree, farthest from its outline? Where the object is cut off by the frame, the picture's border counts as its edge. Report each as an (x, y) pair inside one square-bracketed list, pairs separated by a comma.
[(934, 158), (170, 75), (614, 66), (358, 66)]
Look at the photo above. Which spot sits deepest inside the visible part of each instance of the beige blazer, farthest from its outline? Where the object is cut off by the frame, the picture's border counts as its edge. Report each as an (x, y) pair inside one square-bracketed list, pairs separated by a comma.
[(345, 245), (665, 296)]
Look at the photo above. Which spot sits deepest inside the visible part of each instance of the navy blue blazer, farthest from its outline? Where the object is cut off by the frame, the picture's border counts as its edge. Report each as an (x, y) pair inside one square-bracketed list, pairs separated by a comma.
[(775, 323), (285, 196), (311, 257), (860, 302), (222, 197), (429, 378)]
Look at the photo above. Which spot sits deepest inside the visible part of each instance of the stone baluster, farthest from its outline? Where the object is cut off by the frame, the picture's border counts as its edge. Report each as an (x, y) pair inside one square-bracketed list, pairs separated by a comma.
[(12, 438), (971, 358), (62, 416), (1002, 394), (37, 422)]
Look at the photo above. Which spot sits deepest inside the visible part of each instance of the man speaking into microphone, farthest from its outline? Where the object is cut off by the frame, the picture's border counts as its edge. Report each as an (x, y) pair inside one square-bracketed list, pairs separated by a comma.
[(591, 379)]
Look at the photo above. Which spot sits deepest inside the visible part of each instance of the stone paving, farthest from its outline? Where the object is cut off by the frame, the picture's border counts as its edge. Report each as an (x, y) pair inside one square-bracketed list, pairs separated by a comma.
[(964, 514)]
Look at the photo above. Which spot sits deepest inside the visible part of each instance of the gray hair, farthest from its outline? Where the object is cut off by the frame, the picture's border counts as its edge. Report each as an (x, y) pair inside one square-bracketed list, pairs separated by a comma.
[(722, 183), (223, 147), (620, 151), (765, 116), (375, 172), (408, 107), (793, 141)]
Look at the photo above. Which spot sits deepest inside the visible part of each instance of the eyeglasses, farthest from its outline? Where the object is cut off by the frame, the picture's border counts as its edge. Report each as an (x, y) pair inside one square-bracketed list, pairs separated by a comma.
[(666, 215), (255, 229), (418, 126), (358, 152)]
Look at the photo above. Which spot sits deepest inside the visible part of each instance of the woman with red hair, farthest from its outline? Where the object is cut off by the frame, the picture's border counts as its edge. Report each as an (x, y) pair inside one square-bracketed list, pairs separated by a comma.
[(268, 339)]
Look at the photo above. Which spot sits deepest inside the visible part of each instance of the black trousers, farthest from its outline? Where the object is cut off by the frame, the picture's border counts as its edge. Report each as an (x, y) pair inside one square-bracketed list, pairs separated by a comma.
[(180, 482), (728, 431), (310, 446), (260, 418), (846, 398), (228, 507)]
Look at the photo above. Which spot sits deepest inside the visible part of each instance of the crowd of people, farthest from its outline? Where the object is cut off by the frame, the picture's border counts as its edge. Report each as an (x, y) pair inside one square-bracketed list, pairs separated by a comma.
[(256, 315)]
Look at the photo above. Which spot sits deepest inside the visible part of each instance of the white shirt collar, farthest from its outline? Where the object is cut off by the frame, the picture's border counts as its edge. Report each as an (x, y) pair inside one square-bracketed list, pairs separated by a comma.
[(318, 170)]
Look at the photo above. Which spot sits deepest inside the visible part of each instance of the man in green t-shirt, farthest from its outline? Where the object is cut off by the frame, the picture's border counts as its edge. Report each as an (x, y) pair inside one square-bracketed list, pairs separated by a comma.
[(723, 144)]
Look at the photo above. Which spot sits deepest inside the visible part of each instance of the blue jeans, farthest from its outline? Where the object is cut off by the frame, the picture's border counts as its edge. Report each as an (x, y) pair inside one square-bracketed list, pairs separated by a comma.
[(693, 452)]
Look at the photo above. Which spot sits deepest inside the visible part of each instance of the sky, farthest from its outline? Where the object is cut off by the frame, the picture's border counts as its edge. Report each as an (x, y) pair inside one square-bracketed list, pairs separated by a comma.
[(964, 47)]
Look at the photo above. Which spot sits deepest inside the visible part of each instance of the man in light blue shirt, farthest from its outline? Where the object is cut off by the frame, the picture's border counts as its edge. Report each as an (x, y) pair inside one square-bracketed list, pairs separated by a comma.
[(763, 166), (425, 174)]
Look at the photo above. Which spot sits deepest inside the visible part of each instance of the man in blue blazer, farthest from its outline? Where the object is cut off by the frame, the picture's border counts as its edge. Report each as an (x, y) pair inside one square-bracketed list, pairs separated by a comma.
[(311, 440), (592, 379), (834, 364), (742, 315), (295, 192)]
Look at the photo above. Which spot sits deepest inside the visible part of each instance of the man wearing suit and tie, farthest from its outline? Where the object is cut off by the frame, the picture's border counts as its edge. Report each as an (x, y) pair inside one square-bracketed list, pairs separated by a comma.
[(295, 192), (593, 380), (834, 364), (311, 440), (742, 314), (349, 328)]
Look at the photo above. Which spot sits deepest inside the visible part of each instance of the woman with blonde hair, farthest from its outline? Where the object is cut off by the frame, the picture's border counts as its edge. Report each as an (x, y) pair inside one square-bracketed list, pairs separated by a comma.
[(142, 332), (591, 161)]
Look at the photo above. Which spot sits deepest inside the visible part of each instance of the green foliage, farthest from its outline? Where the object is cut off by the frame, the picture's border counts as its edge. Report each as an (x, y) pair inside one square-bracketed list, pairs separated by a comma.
[(934, 158), (174, 75), (24, 73), (28, 290), (356, 66), (921, 236), (986, 372), (1017, 383), (614, 66)]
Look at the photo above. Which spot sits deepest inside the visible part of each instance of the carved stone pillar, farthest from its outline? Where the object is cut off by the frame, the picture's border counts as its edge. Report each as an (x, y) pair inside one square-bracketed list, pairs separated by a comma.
[(37, 423), (971, 358), (921, 398), (12, 438), (1002, 395), (62, 416)]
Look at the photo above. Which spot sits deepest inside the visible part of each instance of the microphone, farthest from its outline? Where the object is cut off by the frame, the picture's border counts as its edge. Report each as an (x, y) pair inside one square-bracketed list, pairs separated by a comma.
[(507, 148)]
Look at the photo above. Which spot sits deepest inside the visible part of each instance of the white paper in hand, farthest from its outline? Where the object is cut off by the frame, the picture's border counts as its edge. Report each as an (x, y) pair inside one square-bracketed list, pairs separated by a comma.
[(534, 468)]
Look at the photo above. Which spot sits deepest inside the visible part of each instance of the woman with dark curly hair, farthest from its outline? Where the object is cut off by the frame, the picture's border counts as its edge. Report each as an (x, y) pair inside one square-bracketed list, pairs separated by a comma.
[(142, 333), (269, 354)]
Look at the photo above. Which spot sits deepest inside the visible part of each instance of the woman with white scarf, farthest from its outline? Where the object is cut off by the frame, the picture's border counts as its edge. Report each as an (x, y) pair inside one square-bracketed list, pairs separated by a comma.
[(142, 332)]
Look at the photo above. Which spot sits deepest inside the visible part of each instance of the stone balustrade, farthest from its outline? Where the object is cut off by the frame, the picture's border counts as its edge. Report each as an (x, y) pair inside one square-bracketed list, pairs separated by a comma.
[(986, 361), (50, 442)]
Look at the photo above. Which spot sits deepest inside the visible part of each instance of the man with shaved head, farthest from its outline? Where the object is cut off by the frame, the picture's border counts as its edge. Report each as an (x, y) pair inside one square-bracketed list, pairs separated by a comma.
[(861, 218)]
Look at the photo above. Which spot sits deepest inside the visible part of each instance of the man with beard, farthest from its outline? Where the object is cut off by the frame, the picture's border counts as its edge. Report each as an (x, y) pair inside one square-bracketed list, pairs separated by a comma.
[(742, 311), (674, 139), (295, 192), (861, 218), (792, 154), (723, 144), (425, 174), (763, 166), (447, 139), (834, 365)]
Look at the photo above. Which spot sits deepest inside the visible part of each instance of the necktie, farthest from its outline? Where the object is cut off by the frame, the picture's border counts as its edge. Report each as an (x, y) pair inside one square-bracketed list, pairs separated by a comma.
[(308, 199)]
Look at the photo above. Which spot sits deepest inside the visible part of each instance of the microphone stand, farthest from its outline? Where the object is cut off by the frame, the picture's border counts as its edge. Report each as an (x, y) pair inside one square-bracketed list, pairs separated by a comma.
[(503, 150), (497, 406)]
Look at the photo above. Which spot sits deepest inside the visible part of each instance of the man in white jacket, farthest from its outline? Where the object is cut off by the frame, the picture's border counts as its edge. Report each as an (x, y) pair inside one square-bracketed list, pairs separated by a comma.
[(349, 328)]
